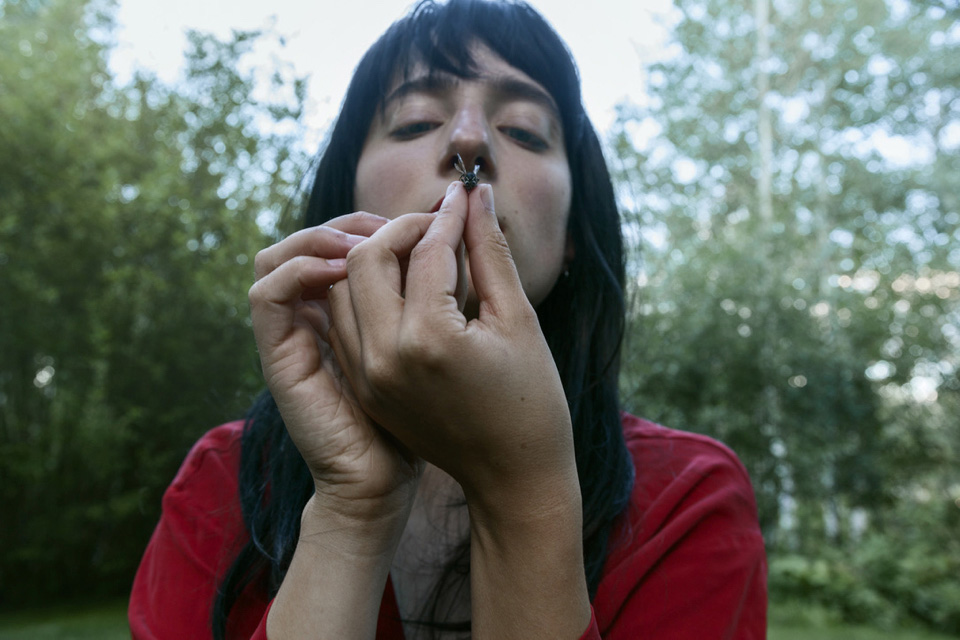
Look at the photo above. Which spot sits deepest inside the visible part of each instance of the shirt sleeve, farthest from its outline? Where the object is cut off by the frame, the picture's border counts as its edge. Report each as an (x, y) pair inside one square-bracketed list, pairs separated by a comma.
[(689, 561), (199, 533)]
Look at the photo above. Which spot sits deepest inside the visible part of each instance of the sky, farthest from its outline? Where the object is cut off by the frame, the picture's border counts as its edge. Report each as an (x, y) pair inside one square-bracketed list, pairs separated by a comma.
[(611, 41)]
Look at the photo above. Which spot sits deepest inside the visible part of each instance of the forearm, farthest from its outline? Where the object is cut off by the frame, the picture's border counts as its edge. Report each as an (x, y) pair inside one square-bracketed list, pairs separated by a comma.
[(526, 568), (336, 578)]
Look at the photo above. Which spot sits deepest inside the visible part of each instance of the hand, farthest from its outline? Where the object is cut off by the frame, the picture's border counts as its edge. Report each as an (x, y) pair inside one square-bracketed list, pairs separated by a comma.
[(359, 470), (481, 399)]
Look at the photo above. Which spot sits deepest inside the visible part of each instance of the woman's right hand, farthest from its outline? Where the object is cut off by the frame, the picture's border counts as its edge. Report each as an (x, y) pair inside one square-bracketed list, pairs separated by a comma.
[(360, 473)]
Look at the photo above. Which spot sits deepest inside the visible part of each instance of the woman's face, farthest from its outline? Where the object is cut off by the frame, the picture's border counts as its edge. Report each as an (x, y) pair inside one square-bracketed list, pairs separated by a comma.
[(503, 121)]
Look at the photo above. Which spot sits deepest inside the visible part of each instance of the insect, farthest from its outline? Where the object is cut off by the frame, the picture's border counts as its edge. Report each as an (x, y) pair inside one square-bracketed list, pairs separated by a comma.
[(468, 178)]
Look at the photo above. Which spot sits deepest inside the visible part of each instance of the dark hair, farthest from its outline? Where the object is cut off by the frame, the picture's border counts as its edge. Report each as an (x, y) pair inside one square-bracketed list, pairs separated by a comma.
[(582, 318)]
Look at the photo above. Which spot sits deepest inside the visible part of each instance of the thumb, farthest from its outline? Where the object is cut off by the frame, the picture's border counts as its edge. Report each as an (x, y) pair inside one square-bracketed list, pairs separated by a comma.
[(492, 269)]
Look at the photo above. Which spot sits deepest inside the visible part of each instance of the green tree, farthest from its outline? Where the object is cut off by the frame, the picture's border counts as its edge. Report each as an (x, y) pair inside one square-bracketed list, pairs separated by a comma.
[(128, 224), (790, 192)]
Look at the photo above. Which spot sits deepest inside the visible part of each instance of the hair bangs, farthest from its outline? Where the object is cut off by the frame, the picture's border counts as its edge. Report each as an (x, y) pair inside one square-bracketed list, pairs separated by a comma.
[(441, 39)]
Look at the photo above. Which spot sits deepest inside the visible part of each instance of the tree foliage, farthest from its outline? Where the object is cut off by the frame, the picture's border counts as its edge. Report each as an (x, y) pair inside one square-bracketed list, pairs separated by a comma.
[(791, 194), (128, 224)]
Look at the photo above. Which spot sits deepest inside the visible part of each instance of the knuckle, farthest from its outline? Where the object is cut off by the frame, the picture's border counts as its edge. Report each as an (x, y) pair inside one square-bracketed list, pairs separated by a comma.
[(323, 232), (356, 256), (322, 239), (497, 244), (380, 375), (255, 293), (261, 263), (360, 249), (356, 221), (421, 250), (365, 216), (368, 253), (419, 349), (427, 246), (316, 234)]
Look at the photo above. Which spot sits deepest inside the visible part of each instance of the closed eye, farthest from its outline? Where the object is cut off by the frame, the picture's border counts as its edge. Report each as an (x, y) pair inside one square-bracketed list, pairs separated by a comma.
[(526, 138), (413, 130)]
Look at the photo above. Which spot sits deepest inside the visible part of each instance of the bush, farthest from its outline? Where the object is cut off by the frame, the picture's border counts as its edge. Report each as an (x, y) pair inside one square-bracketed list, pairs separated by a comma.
[(831, 581), (906, 572)]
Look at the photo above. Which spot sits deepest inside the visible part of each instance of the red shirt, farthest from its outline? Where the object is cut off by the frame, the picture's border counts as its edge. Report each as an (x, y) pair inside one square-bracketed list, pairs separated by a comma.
[(686, 560)]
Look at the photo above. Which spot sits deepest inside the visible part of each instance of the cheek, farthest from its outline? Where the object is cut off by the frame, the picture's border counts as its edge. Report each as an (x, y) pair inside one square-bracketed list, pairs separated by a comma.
[(540, 235), (549, 200), (380, 183)]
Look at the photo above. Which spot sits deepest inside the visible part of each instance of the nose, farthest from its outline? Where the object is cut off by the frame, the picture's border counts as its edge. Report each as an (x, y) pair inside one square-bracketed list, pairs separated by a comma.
[(470, 137)]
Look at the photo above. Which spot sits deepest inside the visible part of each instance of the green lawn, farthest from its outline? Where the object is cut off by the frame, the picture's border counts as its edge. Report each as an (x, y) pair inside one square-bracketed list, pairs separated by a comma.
[(98, 622), (109, 622), (846, 632), (790, 621)]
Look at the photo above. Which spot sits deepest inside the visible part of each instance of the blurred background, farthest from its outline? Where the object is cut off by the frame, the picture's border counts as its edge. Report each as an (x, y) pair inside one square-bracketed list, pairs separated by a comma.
[(788, 175)]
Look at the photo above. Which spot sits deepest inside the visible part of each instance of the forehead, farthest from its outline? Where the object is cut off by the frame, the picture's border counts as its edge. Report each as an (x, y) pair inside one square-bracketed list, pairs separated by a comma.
[(485, 68)]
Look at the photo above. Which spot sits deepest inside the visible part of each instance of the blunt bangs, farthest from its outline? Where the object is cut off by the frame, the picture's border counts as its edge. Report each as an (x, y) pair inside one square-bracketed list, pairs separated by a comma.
[(439, 36)]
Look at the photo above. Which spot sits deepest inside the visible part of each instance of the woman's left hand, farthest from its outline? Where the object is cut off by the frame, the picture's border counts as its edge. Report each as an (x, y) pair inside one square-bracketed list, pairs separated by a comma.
[(481, 399)]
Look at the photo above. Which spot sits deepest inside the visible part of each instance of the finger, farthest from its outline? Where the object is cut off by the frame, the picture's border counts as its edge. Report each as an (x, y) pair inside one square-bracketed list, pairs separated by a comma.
[(492, 269), (463, 284), (275, 305), (331, 240), (358, 223), (317, 314), (342, 333), (274, 299), (433, 276), (375, 272), (366, 307)]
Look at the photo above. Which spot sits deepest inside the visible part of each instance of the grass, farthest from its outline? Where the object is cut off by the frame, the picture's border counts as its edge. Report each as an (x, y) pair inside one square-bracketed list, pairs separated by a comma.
[(109, 622), (106, 621), (795, 621), (845, 632)]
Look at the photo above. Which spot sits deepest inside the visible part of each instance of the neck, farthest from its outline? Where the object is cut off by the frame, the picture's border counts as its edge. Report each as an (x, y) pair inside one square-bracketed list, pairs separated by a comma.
[(438, 524)]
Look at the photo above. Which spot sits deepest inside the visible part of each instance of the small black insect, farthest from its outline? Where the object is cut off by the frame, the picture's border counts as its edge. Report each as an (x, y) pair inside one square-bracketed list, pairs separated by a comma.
[(468, 178)]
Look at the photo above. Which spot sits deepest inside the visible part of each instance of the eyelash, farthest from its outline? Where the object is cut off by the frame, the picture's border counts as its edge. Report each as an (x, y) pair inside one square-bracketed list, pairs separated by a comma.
[(412, 130), (525, 138)]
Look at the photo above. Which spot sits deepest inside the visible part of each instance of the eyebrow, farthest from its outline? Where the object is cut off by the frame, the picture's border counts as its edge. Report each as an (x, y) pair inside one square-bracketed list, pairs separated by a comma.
[(505, 88)]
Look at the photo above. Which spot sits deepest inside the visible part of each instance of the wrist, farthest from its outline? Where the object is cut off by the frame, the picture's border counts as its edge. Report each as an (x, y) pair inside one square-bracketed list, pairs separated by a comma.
[(526, 507), (544, 488), (365, 532), (526, 566), (335, 581)]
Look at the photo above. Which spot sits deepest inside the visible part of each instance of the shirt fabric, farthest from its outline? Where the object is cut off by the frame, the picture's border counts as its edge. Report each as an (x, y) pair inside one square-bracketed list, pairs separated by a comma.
[(685, 560)]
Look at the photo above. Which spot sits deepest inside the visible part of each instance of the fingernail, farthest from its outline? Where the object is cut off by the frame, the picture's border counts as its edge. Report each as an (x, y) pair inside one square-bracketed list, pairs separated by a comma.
[(486, 197), (452, 188), (354, 239), (337, 263)]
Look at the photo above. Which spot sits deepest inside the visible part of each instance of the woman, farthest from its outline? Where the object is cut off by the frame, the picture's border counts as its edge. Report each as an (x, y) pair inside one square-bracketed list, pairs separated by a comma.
[(441, 452)]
